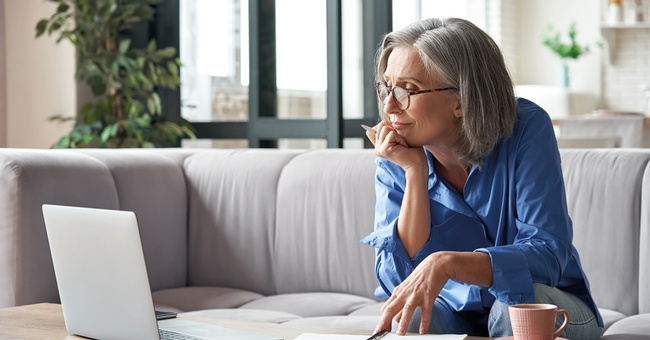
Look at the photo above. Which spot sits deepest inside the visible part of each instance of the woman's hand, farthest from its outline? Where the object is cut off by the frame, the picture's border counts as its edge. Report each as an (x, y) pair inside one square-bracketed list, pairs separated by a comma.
[(420, 289), (393, 147)]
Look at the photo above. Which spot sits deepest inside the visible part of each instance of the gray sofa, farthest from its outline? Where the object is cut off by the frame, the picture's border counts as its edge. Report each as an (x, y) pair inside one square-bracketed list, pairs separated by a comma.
[(273, 235)]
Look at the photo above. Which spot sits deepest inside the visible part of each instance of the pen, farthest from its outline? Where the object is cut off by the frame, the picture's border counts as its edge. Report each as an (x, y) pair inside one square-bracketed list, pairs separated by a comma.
[(371, 130), (378, 335)]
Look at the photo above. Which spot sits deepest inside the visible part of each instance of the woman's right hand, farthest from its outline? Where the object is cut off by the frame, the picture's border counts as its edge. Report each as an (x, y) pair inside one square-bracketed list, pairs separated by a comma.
[(393, 147)]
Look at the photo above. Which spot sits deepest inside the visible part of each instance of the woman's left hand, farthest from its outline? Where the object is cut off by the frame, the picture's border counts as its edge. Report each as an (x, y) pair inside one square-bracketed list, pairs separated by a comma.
[(420, 289)]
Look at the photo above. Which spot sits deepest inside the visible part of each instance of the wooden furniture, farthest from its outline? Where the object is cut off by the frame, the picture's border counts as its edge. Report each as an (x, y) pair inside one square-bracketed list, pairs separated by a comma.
[(45, 321)]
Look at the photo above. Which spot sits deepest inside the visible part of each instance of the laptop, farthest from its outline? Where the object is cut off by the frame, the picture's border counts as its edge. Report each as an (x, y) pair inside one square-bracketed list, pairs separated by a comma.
[(102, 279)]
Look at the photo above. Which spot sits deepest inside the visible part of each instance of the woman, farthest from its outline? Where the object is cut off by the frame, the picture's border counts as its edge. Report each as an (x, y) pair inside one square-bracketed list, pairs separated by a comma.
[(471, 212)]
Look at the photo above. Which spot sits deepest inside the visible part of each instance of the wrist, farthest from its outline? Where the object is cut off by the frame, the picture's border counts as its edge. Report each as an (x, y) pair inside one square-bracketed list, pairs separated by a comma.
[(417, 172)]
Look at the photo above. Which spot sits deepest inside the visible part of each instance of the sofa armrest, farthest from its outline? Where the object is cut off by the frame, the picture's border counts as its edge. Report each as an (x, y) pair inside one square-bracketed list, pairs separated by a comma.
[(28, 179)]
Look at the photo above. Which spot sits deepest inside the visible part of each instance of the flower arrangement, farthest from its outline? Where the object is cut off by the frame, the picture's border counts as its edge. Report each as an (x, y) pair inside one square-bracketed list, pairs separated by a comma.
[(565, 50), (570, 50)]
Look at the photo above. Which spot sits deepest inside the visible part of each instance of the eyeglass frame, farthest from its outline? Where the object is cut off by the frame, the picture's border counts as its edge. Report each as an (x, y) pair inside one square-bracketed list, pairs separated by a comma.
[(409, 93)]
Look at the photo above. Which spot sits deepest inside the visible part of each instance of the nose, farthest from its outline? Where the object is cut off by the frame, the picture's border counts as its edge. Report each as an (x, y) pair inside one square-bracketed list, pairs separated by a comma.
[(390, 104)]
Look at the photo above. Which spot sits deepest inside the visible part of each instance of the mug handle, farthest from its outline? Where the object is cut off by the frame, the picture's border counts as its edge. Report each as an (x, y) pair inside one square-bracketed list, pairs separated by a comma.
[(564, 324)]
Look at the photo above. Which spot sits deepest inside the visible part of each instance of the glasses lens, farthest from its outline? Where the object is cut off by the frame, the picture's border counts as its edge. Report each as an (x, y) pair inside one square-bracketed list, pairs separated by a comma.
[(401, 96), (382, 92)]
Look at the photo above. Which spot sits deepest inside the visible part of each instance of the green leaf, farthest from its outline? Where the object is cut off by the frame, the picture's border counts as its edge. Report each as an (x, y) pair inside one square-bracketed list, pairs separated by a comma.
[(97, 85), (151, 105), (152, 47), (124, 45), (63, 143), (167, 52), (40, 27), (62, 8), (172, 68)]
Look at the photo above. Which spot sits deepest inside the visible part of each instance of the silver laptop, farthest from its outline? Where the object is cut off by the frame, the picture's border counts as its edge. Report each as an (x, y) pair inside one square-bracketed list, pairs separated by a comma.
[(103, 283)]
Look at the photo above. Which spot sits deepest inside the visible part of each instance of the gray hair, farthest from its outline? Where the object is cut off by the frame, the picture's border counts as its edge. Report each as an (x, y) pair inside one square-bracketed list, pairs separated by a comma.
[(461, 55)]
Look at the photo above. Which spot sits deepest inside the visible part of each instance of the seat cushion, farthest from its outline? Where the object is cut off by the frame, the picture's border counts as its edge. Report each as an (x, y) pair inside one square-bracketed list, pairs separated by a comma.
[(200, 298), (255, 315), (364, 322), (374, 309), (610, 316), (311, 304), (635, 324)]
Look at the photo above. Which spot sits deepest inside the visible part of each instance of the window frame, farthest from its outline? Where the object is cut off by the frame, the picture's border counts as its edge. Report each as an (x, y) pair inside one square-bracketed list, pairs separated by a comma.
[(264, 128)]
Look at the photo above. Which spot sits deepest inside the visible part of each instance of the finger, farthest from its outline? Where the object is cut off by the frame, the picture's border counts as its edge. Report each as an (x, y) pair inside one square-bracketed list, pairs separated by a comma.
[(426, 313), (400, 139), (385, 323), (398, 317), (382, 131), (387, 303), (405, 319), (371, 137)]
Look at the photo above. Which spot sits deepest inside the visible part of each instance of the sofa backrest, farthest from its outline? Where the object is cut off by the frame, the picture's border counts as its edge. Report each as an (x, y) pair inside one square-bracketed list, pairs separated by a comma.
[(326, 201), (604, 190), (232, 198), (284, 221), (644, 243), (148, 182), (279, 221)]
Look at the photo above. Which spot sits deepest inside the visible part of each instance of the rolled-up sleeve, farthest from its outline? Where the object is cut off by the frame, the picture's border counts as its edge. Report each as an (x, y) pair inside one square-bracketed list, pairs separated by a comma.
[(511, 280), (541, 247), (392, 264)]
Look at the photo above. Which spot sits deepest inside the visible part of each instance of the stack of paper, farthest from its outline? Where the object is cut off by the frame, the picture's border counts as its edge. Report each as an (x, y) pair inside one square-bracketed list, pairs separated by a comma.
[(389, 336)]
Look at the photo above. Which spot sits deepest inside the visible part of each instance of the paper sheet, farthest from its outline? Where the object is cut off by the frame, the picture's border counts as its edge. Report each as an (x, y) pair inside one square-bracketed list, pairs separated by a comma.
[(389, 336)]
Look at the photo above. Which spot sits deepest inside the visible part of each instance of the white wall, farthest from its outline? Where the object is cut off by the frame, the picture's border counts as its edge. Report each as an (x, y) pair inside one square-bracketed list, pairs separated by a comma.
[(536, 64), (39, 77), (3, 80), (626, 70)]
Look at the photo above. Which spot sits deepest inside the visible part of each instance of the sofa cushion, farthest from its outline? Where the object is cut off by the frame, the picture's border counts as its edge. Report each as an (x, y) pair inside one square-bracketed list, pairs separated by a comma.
[(28, 179), (610, 317), (198, 298), (363, 322), (153, 186), (603, 189), (311, 304), (644, 244), (232, 211), (373, 309), (635, 324), (326, 205), (256, 315)]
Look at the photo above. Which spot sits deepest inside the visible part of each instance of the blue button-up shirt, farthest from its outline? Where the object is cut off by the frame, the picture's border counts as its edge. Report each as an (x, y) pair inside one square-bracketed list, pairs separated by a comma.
[(513, 208)]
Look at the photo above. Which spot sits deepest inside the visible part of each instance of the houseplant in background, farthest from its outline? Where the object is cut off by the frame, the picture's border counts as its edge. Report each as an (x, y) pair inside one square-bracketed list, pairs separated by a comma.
[(570, 50), (126, 110)]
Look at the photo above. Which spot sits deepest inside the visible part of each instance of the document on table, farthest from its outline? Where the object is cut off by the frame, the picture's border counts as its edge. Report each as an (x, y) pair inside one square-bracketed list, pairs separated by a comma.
[(389, 336)]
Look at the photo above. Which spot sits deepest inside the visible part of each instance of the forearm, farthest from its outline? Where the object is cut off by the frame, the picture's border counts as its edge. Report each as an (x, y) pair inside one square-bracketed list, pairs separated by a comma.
[(414, 223), (467, 267)]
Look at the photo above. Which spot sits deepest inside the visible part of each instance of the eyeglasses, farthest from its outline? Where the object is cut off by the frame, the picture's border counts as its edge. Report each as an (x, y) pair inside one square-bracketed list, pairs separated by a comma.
[(402, 96)]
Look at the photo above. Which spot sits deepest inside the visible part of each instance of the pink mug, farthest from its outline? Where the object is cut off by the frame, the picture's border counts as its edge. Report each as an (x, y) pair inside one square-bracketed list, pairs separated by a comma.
[(536, 321)]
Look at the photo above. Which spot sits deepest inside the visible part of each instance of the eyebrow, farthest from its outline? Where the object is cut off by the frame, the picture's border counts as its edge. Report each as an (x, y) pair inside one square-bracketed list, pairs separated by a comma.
[(408, 80)]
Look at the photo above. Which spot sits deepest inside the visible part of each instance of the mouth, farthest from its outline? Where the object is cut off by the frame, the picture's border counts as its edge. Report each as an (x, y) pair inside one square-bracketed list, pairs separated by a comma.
[(400, 126)]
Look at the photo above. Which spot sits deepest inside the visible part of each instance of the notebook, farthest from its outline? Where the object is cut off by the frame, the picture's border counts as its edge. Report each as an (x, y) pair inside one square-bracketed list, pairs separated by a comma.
[(102, 278)]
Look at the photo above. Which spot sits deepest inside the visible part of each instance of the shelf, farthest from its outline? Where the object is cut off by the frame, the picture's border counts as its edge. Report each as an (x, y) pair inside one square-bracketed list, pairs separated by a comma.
[(625, 26), (608, 32)]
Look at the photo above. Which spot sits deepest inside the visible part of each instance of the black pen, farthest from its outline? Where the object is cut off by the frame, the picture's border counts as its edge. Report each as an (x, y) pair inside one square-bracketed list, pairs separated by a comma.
[(378, 335)]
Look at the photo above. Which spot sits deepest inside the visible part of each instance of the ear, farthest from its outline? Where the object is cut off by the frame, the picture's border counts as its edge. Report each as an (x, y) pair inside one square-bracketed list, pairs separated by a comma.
[(458, 111)]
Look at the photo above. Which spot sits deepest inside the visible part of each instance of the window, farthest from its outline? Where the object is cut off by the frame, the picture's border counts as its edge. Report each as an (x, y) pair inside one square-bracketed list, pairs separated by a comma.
[(256, 74)]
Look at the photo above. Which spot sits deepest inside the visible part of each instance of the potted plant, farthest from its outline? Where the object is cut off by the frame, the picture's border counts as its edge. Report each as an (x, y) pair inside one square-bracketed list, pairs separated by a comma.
[(126, 110), (565, 50)]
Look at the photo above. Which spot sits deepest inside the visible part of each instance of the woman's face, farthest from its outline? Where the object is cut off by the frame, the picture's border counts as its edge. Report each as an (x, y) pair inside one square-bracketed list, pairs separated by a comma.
[(432, 118)]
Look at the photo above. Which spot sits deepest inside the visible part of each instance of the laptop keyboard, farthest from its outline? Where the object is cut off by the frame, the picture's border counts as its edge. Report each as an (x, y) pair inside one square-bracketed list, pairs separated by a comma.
[(166, 334)]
